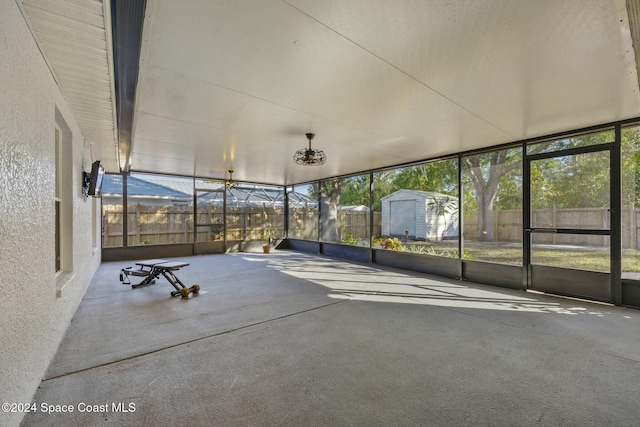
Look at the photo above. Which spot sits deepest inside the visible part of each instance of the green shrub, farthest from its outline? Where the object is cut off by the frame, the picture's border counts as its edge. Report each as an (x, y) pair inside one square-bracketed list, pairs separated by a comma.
[(348, 238), (391, 244)]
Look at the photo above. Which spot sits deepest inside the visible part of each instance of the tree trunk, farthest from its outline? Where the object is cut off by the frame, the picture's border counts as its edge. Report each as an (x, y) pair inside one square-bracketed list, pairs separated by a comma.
[(486, 184), (486, 188), (330, 200), (485, 218)]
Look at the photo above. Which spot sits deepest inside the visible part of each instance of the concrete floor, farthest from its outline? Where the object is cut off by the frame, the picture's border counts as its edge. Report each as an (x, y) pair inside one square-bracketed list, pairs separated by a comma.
[(291, 339)]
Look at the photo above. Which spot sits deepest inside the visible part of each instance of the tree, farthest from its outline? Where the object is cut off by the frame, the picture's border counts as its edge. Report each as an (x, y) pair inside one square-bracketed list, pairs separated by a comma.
[(485, 171), (383, 185), (351, 191), (494, 178), (492, 181), (329, 203), (355, 191), (575, 180), (631, 166), (440, 176)]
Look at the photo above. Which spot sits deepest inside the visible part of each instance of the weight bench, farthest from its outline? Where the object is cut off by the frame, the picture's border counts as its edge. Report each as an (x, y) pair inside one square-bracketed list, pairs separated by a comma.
[(152, 269)]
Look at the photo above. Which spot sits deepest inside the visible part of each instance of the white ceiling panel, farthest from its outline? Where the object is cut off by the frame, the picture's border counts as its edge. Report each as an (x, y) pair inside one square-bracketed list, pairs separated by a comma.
[(254, 80), (76, 41), (237, 84), (513, 63), (223, 124)]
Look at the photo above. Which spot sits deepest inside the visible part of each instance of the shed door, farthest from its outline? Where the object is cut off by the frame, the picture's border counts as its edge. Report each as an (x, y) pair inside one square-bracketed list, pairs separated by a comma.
[(402, 217)]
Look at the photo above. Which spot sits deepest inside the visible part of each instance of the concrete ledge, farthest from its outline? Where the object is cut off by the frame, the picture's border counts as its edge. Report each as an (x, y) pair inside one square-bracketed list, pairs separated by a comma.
[(441, 266), (147, 251), (506, 276)]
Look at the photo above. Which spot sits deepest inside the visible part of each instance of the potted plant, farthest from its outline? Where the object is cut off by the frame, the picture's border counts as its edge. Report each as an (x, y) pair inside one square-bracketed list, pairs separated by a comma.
[(266, 241)]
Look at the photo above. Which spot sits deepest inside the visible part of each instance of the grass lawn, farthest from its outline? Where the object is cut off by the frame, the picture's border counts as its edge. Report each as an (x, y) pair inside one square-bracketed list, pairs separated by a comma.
[(587, 258)]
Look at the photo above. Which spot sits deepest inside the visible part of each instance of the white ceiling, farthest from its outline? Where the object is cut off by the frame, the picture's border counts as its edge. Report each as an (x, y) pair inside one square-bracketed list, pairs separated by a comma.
[(237, 84), (75, 38)]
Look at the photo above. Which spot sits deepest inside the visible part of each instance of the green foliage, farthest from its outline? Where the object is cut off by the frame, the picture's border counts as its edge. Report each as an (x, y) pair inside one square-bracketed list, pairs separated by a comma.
[(437, 251), (423, 249), (443, 206), (631, 166), (347, 237), (509, 195), (577, 181), (390, 243), (493, 180), (439, 176), (215, 230), (468, 255), (355, 191), (267, 236)]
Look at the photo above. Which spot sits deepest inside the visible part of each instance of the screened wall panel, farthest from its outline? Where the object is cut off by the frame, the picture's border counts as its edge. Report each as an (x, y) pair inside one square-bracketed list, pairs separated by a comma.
[(412, 216), (630, 238), (209, 210), (112, 211), (159, 209), (344, 210), (492, 201), (254, 212), (416, 210), (303, 211)]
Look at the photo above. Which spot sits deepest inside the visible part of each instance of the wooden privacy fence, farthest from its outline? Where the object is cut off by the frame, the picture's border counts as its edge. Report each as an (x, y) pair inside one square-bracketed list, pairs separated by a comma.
[(160, 224), (251, 223), (303, 224), (147, 225), (151, 225), (508, 225)]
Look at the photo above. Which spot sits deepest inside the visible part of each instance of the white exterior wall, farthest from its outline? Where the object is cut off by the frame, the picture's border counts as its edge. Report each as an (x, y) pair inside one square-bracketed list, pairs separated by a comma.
[(386, 213), (429, 225), (404, 195), (36, 306), (441, 226), (421, 222)]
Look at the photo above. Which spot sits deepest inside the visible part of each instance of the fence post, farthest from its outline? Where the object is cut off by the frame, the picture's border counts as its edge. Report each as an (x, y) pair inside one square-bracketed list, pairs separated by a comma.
[(105, 228), (137, 224)]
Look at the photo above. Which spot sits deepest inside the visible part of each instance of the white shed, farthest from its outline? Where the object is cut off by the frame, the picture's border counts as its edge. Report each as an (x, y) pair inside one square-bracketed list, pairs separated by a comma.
[(422, 215)]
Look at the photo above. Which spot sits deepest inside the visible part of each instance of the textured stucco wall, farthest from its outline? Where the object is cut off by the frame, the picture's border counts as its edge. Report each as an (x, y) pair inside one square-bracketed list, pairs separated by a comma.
[(35, 308)]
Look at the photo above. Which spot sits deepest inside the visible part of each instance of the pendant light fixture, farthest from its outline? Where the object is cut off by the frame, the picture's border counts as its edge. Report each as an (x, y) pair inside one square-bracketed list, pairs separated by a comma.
[(230, 183), (309, 156)]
